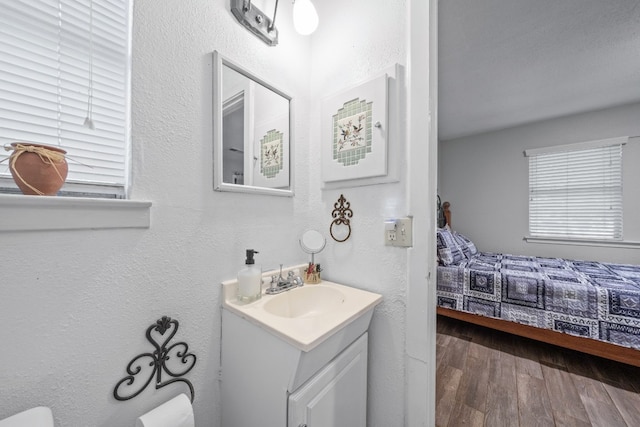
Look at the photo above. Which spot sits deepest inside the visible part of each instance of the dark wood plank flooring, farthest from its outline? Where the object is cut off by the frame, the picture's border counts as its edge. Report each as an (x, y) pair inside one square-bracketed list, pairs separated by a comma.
[(490, 378)]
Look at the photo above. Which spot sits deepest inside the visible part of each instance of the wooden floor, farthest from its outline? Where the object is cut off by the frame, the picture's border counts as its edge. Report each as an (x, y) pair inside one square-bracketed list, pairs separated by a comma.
[(490, 378)]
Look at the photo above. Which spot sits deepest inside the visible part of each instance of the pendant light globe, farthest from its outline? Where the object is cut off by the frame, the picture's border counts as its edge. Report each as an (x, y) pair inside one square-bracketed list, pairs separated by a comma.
[(305, 17)]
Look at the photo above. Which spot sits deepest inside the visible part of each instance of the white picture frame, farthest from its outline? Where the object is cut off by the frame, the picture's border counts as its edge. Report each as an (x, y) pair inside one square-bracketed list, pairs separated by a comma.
[(354, 133)]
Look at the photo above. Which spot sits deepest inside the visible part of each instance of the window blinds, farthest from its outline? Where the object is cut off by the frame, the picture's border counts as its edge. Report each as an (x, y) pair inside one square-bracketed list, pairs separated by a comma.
[(576, 193), (52, 53)]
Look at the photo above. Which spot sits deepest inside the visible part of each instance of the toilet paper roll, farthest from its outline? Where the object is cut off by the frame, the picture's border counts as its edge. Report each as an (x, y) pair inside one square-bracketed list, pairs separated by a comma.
[(40, 416), (177, 412)]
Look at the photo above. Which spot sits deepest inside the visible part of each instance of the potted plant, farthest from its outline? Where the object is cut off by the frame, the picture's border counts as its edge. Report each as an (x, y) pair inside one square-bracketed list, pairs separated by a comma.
[(37, 169)]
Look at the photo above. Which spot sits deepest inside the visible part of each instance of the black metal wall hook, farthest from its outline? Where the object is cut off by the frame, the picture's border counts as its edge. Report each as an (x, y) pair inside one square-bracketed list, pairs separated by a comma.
[(158, 360), (342, 213)]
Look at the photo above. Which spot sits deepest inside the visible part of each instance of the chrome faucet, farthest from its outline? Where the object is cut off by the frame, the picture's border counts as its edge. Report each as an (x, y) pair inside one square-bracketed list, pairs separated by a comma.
[(280, 284)]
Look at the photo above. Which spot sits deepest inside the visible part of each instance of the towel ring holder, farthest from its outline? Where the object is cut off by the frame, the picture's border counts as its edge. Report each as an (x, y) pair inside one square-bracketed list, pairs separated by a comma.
[(342, 213)]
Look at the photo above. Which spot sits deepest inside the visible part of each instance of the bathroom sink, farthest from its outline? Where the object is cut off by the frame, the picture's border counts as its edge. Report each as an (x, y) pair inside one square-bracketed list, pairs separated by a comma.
[(307, 301), (305, 316)]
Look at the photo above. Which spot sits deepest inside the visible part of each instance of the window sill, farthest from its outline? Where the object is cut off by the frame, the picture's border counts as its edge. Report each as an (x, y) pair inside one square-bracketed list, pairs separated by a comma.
[(576, 242), (39, 213)]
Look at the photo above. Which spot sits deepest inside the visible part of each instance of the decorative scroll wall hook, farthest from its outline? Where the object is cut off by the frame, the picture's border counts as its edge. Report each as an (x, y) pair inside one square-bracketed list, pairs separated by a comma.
[(158, 361), (342, 213)]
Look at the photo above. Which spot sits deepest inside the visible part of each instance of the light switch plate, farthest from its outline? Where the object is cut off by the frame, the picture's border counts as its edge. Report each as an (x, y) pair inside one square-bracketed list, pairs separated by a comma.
[(401, 235)]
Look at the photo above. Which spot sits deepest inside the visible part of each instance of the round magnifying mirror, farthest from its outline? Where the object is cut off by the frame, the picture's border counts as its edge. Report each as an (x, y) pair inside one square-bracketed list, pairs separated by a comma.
[(312, 242)]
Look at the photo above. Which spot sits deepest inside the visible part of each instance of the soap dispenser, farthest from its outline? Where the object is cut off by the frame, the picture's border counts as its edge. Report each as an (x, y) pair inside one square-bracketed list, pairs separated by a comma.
[(250, 279)]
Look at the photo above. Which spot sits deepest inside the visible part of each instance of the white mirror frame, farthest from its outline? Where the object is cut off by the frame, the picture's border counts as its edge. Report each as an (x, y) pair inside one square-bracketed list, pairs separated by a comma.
[(219, 61)]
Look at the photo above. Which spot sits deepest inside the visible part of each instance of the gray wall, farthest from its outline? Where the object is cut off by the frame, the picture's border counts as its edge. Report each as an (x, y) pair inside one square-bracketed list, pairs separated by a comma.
[(485, 177)]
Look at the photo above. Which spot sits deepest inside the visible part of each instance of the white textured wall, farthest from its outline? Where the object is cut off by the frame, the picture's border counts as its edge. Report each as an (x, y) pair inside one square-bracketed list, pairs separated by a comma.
[(485, 177), (357, 41), (74, 305)]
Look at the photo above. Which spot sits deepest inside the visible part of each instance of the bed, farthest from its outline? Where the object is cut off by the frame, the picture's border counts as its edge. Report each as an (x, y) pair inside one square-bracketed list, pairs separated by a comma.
[(589, 306)]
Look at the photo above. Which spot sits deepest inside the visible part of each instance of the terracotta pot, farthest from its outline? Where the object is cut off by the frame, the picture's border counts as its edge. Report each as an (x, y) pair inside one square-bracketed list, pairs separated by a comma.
[(38, 169)]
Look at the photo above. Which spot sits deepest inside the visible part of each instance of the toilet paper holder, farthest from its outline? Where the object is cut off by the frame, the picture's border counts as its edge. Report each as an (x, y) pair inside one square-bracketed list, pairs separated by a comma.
[(157, 362)]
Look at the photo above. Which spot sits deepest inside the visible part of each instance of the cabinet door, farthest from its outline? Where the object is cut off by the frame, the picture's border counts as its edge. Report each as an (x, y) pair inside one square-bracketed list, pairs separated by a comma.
[(337, 395)]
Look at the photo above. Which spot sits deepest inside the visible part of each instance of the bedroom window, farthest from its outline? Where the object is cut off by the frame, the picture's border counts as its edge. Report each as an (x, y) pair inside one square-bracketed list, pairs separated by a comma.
[(64, 81), (575, 191)]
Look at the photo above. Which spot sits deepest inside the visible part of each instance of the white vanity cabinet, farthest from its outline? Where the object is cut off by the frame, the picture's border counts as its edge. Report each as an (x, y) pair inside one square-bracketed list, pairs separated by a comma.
[(303, 370), (337, 395), (266, 382)]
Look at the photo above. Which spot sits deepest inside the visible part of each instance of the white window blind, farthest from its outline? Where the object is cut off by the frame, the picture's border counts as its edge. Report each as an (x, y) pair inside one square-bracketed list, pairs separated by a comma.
[(575, 192), (54, 54)]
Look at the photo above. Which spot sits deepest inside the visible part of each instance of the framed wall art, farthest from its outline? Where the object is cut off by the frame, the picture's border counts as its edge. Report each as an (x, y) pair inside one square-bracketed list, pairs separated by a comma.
[(271, 158), (355, 132)]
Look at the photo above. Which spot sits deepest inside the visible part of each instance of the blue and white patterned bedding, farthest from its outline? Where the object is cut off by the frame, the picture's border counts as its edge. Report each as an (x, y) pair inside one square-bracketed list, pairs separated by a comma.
[(590, 299)]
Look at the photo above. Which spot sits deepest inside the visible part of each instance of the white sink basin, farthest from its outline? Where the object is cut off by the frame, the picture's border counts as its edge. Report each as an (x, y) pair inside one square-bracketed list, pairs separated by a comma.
[(304, 316), (307, 301)]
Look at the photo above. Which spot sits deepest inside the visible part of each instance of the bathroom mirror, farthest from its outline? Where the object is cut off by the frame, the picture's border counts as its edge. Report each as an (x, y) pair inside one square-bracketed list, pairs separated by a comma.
[(251, 132), (312, 242)]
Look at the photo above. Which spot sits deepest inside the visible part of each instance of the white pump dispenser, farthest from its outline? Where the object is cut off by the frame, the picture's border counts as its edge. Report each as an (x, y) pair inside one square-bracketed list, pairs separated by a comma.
[(250, 280)]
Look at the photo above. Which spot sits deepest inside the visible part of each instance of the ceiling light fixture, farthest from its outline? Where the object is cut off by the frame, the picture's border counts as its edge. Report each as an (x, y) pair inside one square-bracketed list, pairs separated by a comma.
[(305, 19), (256, 21)]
